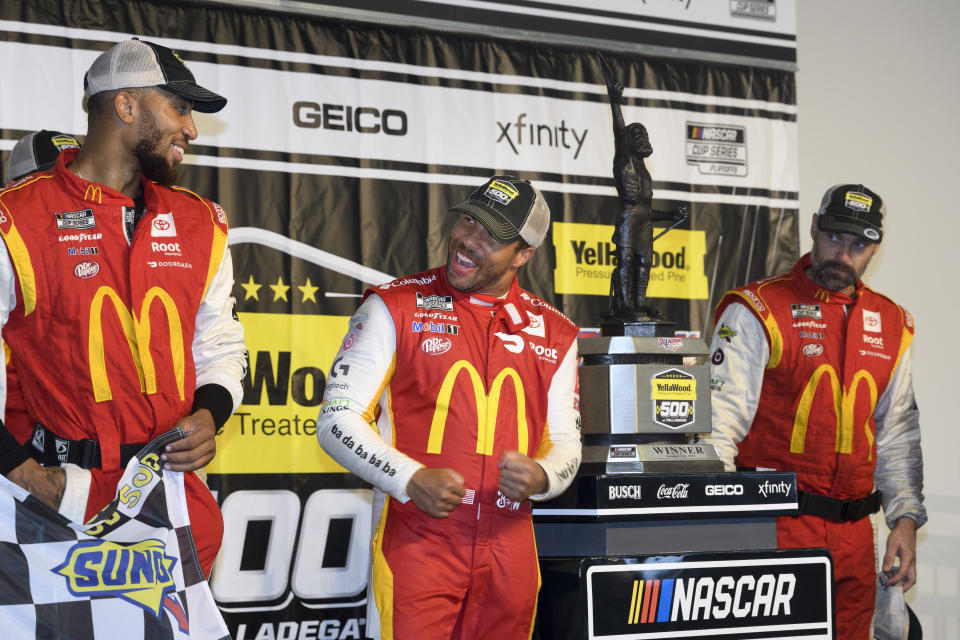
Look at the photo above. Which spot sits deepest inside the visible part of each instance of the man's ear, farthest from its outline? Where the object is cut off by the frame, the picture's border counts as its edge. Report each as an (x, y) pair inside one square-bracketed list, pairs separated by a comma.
[(813, 226), (523, 256), (125, 106)]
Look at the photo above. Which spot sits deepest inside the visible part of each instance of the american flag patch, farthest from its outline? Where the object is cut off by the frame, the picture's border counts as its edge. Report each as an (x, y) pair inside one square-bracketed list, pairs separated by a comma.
[(468, 496)]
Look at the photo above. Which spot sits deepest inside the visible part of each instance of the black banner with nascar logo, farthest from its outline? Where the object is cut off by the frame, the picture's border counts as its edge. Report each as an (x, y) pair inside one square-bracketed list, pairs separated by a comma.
[(774, 594), (340, 149)]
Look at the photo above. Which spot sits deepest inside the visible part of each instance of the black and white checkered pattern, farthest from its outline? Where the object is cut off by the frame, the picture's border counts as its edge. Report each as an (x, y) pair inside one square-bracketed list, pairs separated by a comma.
[(105, 580)]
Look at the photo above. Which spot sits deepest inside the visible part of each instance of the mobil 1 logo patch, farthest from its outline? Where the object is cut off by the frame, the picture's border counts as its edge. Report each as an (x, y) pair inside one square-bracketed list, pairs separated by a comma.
[(717, 149), (674, 396)]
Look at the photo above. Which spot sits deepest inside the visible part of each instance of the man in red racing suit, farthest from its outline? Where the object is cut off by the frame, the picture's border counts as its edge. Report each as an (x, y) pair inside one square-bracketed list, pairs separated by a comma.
[(115, 299), (454, 394), (811, 373)]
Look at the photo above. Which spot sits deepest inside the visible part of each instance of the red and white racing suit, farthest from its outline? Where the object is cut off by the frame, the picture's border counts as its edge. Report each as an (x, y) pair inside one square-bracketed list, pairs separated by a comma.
[(814, 381), (111, 335), (430, 376)]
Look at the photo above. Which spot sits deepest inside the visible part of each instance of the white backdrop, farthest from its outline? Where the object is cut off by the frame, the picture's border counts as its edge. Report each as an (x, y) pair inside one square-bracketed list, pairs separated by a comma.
[(878, 103)]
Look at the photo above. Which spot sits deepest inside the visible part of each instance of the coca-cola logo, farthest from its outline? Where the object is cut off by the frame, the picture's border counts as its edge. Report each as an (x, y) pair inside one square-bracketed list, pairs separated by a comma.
[(436, 346), (675, 492), (86, 269)]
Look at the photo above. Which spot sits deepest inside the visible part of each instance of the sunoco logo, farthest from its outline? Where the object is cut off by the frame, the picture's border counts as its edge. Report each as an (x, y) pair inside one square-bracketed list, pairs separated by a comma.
[(140, 573), (717, 149)]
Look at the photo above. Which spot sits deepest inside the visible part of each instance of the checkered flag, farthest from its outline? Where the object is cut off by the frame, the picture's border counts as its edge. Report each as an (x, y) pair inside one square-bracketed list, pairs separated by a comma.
[(131, 573)]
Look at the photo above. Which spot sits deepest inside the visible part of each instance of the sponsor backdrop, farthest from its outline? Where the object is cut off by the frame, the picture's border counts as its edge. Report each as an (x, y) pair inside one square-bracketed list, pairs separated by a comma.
[(341, 147)]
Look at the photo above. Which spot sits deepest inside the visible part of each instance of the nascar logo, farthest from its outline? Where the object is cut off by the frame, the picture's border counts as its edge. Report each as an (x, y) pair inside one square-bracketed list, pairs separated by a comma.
[(707, 598)]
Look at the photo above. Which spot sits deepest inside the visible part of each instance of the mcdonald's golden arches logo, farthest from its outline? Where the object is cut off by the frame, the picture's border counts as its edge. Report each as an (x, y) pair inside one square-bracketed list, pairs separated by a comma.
[(136, 330), (488, 407)]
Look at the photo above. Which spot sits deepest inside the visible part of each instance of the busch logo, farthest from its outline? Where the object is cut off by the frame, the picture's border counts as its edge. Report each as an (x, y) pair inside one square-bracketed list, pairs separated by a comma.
[(676, 492), (626, 492), (435, 346), (770, 488)]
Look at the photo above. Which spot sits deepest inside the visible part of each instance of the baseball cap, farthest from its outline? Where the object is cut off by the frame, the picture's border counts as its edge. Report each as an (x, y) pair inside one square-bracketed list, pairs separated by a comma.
[(38, 151), (510, 208), (853, 209), (137, 63)]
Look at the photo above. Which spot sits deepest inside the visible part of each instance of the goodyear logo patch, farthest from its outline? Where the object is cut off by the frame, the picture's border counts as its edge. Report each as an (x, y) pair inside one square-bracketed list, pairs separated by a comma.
[(140, 573), (501, 192), (858, 201)]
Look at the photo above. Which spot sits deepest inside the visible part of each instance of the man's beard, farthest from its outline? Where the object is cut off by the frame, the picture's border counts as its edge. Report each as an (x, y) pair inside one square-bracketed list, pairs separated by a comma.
[(831, 279), (153, 163)]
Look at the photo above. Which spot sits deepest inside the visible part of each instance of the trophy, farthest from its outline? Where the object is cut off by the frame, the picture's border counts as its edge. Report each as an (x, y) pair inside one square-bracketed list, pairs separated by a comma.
[(645, 393)]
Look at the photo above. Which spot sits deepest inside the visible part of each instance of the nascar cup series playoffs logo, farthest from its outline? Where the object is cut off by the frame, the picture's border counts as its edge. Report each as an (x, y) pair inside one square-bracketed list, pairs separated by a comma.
[(717, 149)]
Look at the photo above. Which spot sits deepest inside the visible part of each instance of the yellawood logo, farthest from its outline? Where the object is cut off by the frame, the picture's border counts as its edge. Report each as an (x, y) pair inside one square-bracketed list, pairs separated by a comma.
[(586, 258)]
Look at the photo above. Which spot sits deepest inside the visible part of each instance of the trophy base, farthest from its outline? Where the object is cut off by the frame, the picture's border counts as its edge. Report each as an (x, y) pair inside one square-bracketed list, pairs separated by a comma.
[(656, 327)]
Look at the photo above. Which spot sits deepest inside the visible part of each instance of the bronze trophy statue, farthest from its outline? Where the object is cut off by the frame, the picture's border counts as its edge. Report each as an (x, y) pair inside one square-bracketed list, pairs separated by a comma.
[(633, 235)]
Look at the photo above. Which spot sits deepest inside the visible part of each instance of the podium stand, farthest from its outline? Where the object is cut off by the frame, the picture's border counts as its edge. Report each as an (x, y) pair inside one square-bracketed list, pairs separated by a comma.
[(702, 547), (653, 539)]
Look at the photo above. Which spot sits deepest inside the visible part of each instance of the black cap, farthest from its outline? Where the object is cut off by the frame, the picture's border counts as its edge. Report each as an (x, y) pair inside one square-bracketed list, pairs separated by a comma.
[(136, 63), (38, 151), (853, 209), (510, 208)]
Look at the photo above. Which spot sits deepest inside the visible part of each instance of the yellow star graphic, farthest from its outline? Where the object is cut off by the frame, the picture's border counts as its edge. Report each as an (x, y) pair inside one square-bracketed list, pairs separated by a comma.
[(251, 288), (309, 291), (280, 290)]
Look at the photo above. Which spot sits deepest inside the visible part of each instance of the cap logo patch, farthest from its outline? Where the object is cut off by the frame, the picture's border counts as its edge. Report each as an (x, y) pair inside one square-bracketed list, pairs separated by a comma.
[(64, 142), (501, 192), (871, 234), (858, 201)]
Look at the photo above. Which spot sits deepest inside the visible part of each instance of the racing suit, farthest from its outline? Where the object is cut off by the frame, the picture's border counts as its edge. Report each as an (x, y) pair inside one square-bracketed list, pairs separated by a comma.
[(112, 335), (430, 376), (818, 382)]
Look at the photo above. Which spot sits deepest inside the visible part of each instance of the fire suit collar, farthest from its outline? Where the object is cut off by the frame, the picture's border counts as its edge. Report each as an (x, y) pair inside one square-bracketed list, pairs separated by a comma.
[(510, 307), (805, 284), (84, 189)]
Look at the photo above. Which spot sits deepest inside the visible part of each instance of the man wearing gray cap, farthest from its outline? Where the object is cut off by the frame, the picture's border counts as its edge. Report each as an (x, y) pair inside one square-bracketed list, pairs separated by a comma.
[(811, 373), (472, 384), (115, 297), (37, 151)]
